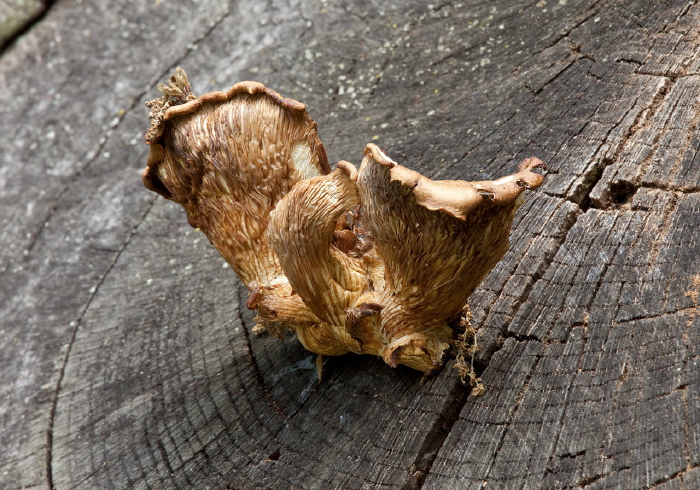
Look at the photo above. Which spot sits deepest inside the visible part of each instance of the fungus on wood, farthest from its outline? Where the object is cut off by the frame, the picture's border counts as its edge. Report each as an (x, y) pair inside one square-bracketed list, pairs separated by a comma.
[(377, 261)]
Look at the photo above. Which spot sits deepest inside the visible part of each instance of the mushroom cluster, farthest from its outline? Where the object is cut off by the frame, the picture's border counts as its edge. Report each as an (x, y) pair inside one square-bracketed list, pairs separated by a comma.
[(379, 260)]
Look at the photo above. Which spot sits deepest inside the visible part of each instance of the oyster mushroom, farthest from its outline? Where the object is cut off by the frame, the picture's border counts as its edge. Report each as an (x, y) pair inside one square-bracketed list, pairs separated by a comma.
[(438, 240), (375, 261), (228, 158)]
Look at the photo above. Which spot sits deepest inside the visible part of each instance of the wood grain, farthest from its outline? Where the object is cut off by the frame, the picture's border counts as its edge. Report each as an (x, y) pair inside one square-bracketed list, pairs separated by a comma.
[(127, 359)]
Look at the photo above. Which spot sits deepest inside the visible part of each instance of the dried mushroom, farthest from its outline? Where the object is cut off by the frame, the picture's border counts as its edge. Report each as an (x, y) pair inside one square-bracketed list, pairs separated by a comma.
[(377, 261)]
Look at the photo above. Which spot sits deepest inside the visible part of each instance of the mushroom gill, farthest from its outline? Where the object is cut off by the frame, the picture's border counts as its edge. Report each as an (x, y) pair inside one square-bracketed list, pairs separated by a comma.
[(438, 240), (376, 261), (228, 158)]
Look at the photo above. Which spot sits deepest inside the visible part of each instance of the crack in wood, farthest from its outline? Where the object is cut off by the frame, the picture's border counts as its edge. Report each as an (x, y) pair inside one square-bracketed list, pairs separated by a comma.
[(192, 46), (511, 417), (686, 404), (687, 144), (34, 237), (526, 293), (667, 214), (157, 440), (527, 338), (269, 397), (537, 91), (103, 141), (663, 228), (560, 421), (584, 482), (575, 455), (164, 457), (592, 175), (436, 437), (626, 363), (545, 264), (71, 342), (610, 196), (681, 311), (584, 17), (28, 25), (630, 61), (159, 399), (666, 29), (673, 476), (670, 27), (480, 141), (673, 76), (565, 409)]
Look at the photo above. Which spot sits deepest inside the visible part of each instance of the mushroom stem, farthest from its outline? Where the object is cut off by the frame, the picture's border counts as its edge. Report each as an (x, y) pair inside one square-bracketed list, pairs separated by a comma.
[(301, 231)]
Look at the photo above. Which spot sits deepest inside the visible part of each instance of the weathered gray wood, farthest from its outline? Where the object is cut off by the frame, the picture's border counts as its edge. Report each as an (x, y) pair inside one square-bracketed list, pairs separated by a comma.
[(126, 359), (17, 15)]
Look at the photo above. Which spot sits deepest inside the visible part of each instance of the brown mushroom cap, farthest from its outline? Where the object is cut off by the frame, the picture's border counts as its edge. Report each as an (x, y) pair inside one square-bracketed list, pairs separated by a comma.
[(438, 240), (228, 158)]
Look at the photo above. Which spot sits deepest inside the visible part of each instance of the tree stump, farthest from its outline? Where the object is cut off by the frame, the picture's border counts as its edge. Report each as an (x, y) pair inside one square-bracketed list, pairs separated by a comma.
[(126, 352)]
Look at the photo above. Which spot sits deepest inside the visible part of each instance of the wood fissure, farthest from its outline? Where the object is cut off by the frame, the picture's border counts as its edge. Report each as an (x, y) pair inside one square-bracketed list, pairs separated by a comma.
[(269, 397), (686, 404), (52, 411), (436, 436), (481, 141), (69, 346), (674, 476), (641, 120), (591, 12), (539, 274), (565, 409), (511, 417), (97, 152), (585, 482), (625, 366), (103, 141), (504, 332), (594, 173), (27, 25)]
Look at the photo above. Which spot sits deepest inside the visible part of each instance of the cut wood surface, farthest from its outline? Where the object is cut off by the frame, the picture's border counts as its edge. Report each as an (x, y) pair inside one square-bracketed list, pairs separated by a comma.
[(126, 353), (17, 15)]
